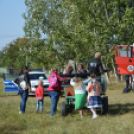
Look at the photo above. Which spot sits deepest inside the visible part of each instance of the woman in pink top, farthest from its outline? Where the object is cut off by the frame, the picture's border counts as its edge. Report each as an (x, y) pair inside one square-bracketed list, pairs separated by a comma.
[(54, 92), (40, 96)]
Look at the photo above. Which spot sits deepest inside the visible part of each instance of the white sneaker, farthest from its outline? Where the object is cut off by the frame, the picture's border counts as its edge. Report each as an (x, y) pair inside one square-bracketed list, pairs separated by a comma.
[(20, 112), (95, 116)]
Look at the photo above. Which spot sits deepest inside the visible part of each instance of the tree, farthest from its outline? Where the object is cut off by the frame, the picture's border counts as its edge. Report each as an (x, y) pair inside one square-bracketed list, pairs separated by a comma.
[(13, 54), (77, 29)]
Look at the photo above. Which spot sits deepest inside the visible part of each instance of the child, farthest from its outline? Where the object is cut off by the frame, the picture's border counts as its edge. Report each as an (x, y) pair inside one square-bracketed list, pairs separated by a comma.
[(80, 94), (40, 96), (94, 99)]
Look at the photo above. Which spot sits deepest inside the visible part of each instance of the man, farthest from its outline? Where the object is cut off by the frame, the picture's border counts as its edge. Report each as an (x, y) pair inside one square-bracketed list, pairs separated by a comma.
[(23, 92), (95, 65)]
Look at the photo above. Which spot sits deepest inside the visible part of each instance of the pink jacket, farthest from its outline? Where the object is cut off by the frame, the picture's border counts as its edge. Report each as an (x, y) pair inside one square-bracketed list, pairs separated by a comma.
[(59, 82)]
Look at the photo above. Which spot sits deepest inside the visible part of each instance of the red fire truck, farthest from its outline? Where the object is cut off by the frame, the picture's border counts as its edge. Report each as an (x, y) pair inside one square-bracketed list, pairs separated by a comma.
[(124, 61)]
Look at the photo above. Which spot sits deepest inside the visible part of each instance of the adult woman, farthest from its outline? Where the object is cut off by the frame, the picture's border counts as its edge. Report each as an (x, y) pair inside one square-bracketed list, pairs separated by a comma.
[(23, 93), (81, 69), (54, 92), (68, 70)]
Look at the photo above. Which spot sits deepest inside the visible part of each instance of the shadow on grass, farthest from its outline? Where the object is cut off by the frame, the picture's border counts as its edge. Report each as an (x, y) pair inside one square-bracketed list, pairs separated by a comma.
[(8, 95), (121, 109), (113, 110)]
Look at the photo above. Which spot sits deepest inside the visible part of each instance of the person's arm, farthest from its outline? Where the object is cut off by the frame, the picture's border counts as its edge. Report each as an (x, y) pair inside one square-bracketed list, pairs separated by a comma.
[(72, 82), (16, 81), (36, 92), (86, 81), (61, 78), (88, 87), (101, 69), (27, 80)]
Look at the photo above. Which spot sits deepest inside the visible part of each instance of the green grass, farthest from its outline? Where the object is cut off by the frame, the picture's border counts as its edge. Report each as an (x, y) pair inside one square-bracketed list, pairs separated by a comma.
[(119, 120)]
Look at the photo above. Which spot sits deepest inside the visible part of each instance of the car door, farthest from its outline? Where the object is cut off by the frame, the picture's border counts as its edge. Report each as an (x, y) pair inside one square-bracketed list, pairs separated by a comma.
[(9, 84)]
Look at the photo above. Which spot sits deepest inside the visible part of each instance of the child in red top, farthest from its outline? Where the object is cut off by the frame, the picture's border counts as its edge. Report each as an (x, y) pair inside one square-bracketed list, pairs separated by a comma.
[(40, 96)]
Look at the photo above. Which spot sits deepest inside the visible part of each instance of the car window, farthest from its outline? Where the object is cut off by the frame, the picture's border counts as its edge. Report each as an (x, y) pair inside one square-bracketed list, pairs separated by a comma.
[(9, 77), (37, 76)]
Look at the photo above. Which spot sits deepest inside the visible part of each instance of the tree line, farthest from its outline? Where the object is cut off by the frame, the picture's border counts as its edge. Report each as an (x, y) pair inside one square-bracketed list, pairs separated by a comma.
[(57, 31)]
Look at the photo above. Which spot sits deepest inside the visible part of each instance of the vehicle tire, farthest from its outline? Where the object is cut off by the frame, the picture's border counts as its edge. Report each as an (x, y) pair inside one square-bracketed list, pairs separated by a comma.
[(133, 86), (104, 83), (63, 109), (105, 105)]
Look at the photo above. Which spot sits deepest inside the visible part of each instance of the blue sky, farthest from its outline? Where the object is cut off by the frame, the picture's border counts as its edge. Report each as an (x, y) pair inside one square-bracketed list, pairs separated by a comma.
[(11, 21)]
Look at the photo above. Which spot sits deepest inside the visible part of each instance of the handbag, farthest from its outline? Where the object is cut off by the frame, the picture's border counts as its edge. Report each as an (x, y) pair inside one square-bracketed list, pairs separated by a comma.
[(23, 85)]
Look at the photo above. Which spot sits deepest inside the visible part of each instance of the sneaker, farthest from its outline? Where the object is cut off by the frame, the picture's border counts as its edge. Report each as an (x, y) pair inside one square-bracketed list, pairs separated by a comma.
[(94, 117), (20, 112)]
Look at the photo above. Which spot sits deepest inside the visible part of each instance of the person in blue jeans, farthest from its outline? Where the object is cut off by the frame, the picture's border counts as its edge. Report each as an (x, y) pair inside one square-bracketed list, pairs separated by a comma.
[(54, 96), (23, 93), (54, 93), (24, 96), (39, 93), (39, 103)]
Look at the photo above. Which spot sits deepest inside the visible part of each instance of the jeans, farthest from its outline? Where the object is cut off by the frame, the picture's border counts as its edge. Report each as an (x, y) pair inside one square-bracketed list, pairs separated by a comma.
[(24, 96), (54, 96), (40, 104)]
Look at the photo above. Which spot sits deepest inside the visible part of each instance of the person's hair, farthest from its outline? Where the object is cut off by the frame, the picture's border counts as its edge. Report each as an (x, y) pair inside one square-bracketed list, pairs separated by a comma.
[(92, 75), (54, 69), (80, 66), (21, 72), (98, 55), (68, 67), (40, 83), (26, 68), (78, 82)]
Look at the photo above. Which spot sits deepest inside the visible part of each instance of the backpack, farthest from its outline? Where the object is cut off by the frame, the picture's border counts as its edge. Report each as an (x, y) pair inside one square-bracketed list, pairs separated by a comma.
[(96, 88), (23, 85), (53, 81), (91, 88)]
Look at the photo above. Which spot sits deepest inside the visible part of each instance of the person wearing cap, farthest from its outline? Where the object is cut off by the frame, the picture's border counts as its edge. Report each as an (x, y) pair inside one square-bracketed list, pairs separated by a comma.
[(95, 65)]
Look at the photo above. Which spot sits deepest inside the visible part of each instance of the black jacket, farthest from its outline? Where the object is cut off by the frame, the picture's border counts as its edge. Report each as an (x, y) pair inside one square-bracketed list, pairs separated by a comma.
[(95, 66)]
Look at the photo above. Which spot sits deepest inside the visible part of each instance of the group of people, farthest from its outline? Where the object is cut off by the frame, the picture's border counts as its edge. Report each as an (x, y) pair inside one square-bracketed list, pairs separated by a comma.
[(93, 98), (83, 93)]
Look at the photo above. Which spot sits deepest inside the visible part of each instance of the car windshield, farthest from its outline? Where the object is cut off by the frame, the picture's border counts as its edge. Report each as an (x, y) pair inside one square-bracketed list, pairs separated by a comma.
[(37, 76)]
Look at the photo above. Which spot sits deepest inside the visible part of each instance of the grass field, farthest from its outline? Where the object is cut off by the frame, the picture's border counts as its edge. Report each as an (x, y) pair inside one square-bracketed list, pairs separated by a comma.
[(120, 119)]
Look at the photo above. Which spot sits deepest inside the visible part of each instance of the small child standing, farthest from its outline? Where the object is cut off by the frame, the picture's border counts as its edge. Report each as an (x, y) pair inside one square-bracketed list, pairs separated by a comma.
[(94, 99), (80, 94), (40, 96)]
